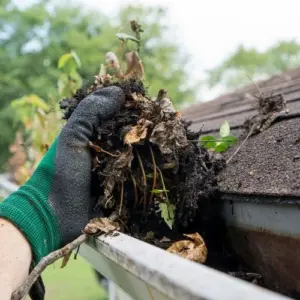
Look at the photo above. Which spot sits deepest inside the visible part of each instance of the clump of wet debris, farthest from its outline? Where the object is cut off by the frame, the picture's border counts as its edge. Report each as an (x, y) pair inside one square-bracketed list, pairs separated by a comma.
[(148, 165)]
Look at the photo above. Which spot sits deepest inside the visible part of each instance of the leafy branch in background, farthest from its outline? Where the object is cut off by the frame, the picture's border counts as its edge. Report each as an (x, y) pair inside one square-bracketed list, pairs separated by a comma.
[(134, 66), (69, 81), (41, 120), (222, 143)]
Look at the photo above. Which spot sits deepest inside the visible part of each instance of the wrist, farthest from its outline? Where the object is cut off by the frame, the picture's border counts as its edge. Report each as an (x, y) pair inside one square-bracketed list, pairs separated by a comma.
[(29, 210), (15, 251)]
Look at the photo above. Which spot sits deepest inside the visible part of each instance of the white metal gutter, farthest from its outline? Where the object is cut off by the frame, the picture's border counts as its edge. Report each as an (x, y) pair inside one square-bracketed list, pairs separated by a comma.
[(146, 272), (6, 186)]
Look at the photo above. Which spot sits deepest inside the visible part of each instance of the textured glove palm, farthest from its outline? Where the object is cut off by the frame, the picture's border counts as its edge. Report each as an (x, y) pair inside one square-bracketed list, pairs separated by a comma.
[(53, 206)]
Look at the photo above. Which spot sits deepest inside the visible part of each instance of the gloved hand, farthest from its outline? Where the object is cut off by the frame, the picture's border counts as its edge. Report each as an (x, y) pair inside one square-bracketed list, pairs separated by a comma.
[(52, 208)]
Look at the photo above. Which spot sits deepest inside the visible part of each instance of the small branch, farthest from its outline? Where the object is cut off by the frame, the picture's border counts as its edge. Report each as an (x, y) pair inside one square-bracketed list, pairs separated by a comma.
[(120, 74), (108, 201), (240, 146), (23, 291), (144, 178), (137, 29), (136, 198), (99, 149), (122, 197), (154, 173), (162, 93), (76, 253), (163, 183)]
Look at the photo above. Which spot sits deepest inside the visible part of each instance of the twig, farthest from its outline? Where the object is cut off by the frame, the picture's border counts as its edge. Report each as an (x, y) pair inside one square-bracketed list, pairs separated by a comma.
[(255, 84), (144, 178), (99, 149), (163, 184), (76, 253), (154, 172), (241, 145), (137, 29), (122, 197), (216, 140), (22, 292), (108, 201), (136, 198), (121, 58), (162, 93)]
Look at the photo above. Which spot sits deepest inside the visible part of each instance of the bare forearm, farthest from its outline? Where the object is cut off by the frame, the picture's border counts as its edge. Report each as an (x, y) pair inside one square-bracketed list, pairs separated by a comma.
[(15, 258)]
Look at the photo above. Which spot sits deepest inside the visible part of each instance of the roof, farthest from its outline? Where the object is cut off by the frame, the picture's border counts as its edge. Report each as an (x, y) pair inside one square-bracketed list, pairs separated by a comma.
[(268, 163), (240, 104)]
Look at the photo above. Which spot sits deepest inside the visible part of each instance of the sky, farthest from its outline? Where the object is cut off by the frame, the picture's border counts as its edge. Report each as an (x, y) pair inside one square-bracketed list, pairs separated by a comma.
[(210, 30)]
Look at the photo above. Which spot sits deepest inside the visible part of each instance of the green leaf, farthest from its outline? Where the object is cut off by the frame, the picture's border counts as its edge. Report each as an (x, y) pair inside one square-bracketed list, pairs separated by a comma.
[(125, 37), (229, 140), (31, 100), (208, 141), (158, 191), (225, 129), (76, 58), (64, 59), (167, 213), (221, 147)]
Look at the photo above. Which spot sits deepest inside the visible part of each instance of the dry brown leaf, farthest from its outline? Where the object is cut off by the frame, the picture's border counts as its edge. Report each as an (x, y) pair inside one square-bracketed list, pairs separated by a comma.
[(135, 68), (116, 168), (165, 240), (146, 105), (101, 225), (169, 135), (138, 132), (194, 249), (166, 108), (112, 60)]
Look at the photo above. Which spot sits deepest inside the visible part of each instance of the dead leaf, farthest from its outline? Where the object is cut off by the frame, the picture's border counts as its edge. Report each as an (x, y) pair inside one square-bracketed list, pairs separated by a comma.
[(166, 108), (138, 132), (194, 249), (112, 60), (135, 68), (178, 114), (169, 135), (101, 225), (144, 104), (116, 167), (165, 240)]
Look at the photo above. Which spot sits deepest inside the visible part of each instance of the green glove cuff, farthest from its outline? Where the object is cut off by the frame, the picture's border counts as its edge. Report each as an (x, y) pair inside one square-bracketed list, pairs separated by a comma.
[(29, 210)]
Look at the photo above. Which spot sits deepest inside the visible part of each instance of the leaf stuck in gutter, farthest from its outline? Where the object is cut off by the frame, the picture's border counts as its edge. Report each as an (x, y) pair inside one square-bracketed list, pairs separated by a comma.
[(193, 249)]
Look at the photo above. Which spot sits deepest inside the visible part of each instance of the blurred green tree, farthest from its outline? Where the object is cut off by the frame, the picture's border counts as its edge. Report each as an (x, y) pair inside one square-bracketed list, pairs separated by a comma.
[(33, 38), (247, 63)]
